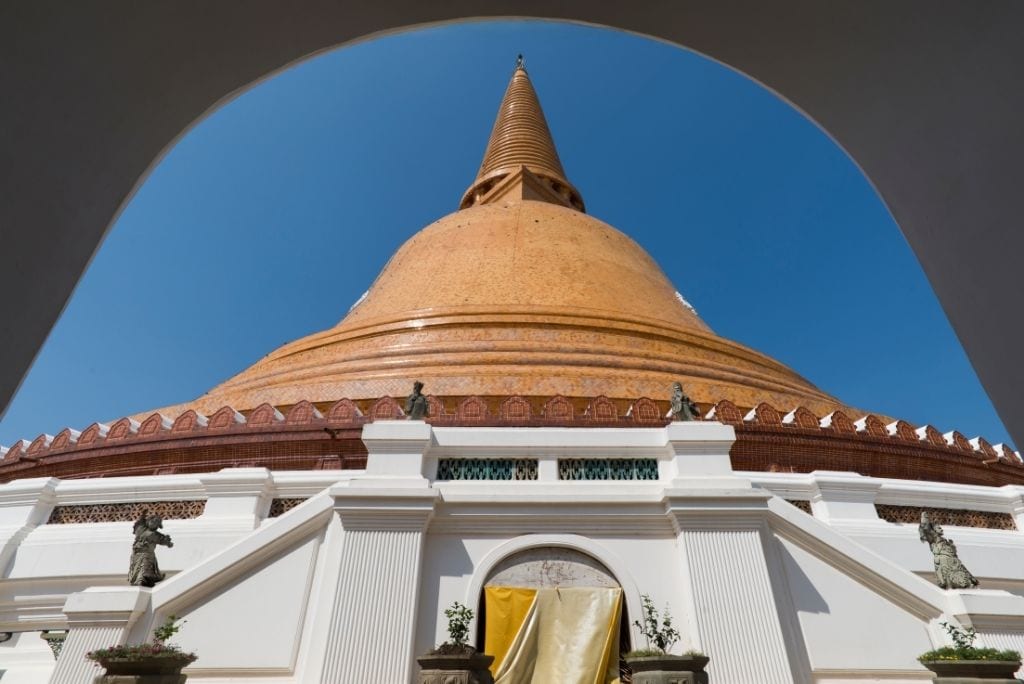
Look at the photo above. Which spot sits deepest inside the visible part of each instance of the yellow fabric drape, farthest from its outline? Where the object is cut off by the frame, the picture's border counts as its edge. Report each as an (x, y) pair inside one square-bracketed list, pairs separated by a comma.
[(507, 609), (568, 636)]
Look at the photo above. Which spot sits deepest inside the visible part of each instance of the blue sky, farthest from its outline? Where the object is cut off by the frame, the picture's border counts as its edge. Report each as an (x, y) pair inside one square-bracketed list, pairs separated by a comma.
[(270, 217)]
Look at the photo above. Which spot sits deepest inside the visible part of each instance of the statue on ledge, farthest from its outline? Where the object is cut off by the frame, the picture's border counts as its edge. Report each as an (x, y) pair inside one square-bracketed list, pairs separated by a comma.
[(416, 403), (682, 408), (144, 570), (950, 572)]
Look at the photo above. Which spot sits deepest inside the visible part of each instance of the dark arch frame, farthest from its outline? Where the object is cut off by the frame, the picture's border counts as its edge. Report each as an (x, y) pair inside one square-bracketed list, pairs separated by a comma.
[(924, 95)]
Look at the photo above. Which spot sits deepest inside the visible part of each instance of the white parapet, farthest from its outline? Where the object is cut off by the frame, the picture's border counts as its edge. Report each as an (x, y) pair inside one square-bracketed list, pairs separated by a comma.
[(700, 453), (239, 496), (24, 504), (842, 497), (356, 578)]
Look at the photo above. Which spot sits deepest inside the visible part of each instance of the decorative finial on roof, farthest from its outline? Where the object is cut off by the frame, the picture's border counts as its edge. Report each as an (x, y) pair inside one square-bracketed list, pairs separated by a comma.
[(521, 140)]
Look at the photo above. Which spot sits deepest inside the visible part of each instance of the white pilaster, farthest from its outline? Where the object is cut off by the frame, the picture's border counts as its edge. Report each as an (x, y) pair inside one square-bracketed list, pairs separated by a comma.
[(395, 451), (97, 617), (700, 453), (841, 497), (371, 634), (733, 606), (1015, 502), (24, 504), (237, 496)]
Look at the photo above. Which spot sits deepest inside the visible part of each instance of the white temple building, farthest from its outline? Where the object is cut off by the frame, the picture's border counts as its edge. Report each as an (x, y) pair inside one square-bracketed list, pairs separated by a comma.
[(319, 533)]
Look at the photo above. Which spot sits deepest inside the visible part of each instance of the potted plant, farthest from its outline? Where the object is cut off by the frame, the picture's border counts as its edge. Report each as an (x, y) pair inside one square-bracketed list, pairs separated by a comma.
[(156, 662), (455, 661), (654, 664), (963, 660)]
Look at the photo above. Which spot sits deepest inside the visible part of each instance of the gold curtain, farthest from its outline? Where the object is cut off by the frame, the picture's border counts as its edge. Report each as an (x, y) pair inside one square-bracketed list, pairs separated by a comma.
[(541, 636)]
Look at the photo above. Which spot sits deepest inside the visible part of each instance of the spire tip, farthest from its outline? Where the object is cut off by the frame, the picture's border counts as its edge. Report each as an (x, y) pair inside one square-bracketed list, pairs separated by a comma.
[(520, 139)]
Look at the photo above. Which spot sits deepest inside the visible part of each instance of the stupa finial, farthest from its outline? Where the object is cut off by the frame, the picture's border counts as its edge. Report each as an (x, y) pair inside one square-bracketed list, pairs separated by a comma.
[(521, 138)]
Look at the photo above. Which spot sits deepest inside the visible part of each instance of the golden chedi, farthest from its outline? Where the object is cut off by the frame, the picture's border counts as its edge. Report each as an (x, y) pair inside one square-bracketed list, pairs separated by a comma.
[(518, 293)]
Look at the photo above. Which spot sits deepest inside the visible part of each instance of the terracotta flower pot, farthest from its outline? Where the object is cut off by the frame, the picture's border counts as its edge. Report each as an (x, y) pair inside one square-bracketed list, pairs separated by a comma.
[(659, 669), (455, 668), (994, 670)]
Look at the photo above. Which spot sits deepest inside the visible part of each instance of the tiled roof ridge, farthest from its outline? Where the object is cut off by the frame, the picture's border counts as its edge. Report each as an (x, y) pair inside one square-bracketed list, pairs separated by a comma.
[(494, 411)]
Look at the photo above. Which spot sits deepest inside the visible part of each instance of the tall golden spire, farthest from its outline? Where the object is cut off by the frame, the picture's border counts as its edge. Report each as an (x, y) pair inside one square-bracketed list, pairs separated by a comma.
[(521, 139)]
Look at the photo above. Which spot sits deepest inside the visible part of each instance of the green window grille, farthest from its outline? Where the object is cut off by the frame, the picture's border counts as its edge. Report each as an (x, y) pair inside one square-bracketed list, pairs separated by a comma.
[(608, 469), (486, 469)]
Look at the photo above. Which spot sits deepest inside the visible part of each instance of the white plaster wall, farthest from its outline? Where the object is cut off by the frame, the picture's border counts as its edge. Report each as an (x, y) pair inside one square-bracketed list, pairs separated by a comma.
[(104, 549), (25, 659), (256, 622), (260, 623), (847, 626)]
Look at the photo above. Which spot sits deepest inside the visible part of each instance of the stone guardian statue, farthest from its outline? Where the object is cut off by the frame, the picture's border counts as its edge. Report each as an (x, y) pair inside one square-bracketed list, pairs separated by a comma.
[(144, 570), (416, 403), (950, 572), (682, 408)]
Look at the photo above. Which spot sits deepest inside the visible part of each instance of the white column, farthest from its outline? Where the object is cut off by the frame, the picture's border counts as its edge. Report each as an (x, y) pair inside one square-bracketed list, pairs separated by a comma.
[(1015, 502), (237, 496), (371, 634), (97, 617), (24, 504), (395, 453), (841, 497), (699, 452), (733, 609)]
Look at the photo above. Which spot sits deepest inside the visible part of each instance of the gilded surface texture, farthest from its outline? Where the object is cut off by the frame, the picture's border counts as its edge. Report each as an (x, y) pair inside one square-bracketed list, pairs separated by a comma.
[(535, 299)]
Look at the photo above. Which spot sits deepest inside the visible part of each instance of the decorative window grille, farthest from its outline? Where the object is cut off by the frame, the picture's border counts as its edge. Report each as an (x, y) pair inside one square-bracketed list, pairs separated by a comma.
[(953, 517), (608, 469), (802, 504), (486, 469), (279, 507), (126, 512)]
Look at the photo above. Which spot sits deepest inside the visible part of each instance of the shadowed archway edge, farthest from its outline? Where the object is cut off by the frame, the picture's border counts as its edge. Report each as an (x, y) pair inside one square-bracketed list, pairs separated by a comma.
[(925, 96)]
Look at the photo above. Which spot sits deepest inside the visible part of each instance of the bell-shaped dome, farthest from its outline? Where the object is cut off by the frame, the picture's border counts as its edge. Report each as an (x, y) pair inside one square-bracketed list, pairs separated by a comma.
[(519, 292)]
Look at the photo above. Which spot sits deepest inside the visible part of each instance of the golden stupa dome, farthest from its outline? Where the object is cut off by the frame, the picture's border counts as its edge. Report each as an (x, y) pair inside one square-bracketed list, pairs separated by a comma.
[(518, 293)]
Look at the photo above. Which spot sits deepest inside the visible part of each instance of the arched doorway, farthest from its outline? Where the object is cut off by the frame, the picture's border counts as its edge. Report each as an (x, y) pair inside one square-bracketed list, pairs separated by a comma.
[(525, 584)]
